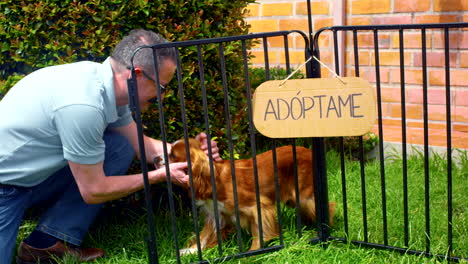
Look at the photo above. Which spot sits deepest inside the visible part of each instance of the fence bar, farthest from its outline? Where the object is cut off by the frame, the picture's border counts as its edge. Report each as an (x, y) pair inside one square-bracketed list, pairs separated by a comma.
[(426, 141), (277, 190), (286, 54), (207, 128), (231, 149), (135, 108), (449, 140), (252, 142), (403, 136), (165, 152), (381, 149), (296, 185), (401, 250), (187, 153), (341, 140)]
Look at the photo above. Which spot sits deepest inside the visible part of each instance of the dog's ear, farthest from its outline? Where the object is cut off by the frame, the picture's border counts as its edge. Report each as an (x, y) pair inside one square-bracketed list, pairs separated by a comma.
[(200, 171)]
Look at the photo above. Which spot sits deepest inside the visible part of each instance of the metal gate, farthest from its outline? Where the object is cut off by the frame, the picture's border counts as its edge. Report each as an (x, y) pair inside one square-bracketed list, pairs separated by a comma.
[(322, 191)]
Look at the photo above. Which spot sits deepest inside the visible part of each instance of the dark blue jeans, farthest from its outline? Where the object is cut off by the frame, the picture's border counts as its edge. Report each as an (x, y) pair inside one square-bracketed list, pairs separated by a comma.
[(67, 216)]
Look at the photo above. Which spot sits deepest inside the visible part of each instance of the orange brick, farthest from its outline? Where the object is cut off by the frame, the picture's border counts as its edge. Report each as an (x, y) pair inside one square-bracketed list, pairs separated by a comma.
[(327, 58), (252, 10), (264, 25), (458, 40), (460, 98), (368, 73), (464, 59), (412, 76), (461, 128), (294, 24), (460, 140), (412, 5), (366, 40), (412, 111), (410, 41), (450, 5), (317, 8), (278, 42), (324, 39), (436, 112), (434, 59), (363, 58), (370, 6), (391, 58), (299, 42), (434, 96), (431, 125), (391, 122), (354, 21), (457, 77), (295, 57), (460, 114), (277, 9), (322, 23), (436, 19), (465, 18), (390, 95), (382, 20), (260, 58)]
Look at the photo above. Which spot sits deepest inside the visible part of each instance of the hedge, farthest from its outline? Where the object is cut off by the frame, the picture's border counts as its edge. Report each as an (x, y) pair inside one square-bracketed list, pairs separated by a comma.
[(36, 34)]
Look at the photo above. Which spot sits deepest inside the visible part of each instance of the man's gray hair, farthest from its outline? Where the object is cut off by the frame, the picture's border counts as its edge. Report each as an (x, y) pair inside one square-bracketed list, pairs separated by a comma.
[(143, 58)]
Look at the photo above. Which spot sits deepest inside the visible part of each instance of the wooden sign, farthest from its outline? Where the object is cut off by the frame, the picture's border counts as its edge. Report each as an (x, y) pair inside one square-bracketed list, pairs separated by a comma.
[(322, 107)]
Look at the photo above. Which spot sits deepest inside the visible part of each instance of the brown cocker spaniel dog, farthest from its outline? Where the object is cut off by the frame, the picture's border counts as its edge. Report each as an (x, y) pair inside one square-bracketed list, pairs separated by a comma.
[(246, 191)]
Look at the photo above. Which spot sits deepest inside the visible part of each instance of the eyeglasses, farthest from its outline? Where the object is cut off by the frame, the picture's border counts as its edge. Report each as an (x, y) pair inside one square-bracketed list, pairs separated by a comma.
[(162, 87)]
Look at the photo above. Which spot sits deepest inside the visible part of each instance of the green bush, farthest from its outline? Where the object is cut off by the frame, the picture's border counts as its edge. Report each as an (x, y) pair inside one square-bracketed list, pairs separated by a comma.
[(36, 34)]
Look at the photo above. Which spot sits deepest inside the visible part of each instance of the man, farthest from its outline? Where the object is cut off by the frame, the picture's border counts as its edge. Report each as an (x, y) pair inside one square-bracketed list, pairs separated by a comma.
[(66, 136)]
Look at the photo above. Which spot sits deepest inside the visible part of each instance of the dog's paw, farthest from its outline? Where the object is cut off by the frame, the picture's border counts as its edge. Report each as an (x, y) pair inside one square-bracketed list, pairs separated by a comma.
[(187, 251)]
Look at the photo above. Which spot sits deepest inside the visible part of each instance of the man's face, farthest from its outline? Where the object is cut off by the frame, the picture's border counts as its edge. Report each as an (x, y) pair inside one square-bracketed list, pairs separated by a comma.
[(147, 84)]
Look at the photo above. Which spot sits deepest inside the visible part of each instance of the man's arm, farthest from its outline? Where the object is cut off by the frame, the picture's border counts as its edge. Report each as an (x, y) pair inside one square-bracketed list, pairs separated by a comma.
[(153, 147), (95, 187)]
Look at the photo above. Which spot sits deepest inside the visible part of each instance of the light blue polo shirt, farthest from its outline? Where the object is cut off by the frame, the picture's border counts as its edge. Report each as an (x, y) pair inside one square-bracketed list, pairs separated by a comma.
[(57, 114)]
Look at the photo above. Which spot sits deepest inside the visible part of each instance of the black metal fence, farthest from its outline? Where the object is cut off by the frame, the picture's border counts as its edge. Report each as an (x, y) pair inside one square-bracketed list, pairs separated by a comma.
[(368, 234)]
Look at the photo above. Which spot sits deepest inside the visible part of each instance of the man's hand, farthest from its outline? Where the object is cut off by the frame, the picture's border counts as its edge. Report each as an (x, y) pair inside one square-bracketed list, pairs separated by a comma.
[(177, 170), (204, 145)]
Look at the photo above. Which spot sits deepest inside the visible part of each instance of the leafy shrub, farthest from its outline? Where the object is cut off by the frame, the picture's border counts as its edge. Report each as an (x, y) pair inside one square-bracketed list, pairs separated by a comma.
[(36, 34)]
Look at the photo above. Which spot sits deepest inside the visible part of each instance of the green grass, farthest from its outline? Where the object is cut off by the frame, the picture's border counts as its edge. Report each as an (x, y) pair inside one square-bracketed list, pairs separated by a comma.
[(122, 233)]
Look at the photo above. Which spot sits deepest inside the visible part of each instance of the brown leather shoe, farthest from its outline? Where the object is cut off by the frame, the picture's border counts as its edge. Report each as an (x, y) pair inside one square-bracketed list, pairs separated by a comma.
[(30, 255)]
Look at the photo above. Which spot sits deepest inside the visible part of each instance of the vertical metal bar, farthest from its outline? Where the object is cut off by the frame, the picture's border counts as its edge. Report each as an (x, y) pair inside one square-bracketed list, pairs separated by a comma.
[(403, 138), (296, 186), (277, 191), (449, 141), (341, 139), (309, 19), (319, 161), (286, 54), (267, 61), (252, 142), (426, 142), (381, 149), (164, 141), (231, 149), (187, 154), (207, 128), (361, 146), (135, 108)]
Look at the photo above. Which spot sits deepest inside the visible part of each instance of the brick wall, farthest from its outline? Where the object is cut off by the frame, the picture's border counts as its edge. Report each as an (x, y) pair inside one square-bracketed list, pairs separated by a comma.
[(271, 15)]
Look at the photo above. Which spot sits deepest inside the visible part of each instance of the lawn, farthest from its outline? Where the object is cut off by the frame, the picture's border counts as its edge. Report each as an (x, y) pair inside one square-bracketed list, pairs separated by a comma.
[(122, 232)]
